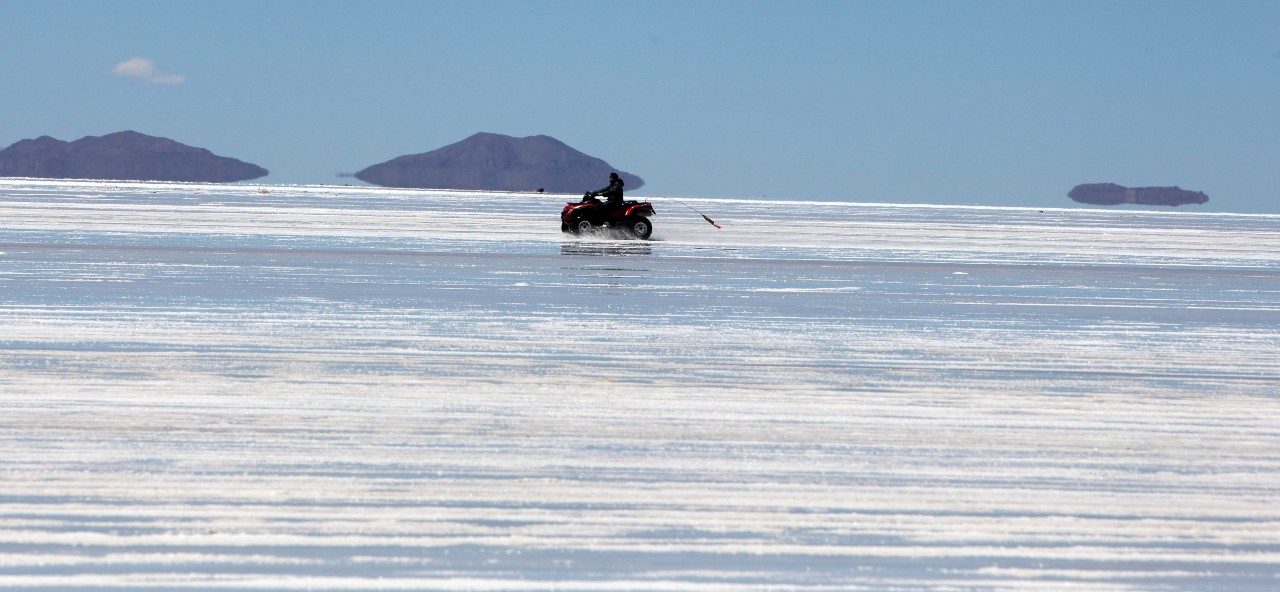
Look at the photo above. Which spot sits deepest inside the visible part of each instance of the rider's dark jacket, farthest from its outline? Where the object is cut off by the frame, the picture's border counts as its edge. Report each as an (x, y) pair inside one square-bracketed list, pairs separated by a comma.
[(613, 192)]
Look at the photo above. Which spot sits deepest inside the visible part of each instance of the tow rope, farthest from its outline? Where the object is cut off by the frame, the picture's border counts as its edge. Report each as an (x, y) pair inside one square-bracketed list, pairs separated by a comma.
[(704, 216)]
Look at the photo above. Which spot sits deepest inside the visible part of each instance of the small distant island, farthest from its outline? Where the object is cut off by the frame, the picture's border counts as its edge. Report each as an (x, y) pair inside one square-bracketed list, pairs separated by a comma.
[(495, 162), (126, 155), (1110, 194)]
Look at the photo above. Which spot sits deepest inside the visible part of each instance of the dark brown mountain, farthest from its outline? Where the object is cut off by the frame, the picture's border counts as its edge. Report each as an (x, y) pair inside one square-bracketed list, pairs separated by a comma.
[(124, 155), (500, 163), (1110, 194)]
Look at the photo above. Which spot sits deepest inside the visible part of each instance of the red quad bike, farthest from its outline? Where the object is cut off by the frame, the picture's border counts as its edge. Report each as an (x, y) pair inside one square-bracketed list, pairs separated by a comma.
[(580, 217)]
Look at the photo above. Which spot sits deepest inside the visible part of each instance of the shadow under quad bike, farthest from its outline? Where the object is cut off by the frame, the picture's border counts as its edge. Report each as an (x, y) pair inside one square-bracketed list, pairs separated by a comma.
[(580, 217)]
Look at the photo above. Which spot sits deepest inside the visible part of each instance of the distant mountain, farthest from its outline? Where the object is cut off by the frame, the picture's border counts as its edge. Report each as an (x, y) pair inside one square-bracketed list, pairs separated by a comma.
[(1110, 194), (126, 155), (500, 163)]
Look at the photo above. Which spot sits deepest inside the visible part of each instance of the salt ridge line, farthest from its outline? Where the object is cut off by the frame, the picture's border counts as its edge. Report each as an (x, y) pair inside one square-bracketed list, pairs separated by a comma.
[(252, 189)]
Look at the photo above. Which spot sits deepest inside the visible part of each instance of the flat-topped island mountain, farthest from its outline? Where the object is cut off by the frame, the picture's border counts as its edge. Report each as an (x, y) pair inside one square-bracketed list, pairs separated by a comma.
[(496, 162), (1110, 194), (126, 155)]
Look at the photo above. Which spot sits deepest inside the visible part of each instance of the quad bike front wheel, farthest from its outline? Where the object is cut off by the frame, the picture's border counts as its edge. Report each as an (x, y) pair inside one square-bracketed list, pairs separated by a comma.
[(581, 226), (641, 227)]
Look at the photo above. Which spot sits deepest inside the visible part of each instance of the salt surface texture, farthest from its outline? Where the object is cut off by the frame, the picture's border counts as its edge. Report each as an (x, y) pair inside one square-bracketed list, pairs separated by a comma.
[(346, 388)]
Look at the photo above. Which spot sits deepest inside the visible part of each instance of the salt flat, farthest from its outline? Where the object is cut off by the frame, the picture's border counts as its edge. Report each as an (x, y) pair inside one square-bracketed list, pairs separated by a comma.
[(349, 388)]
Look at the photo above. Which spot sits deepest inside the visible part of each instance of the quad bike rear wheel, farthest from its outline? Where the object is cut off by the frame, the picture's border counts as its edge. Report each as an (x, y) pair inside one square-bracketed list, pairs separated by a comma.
[(641, 227)]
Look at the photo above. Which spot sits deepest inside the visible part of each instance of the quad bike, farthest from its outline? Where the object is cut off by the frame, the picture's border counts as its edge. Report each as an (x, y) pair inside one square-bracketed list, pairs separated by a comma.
[(585, 216)]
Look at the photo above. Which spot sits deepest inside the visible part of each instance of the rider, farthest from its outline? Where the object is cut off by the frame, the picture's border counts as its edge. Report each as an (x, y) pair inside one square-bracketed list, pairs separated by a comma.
[(613, 192)]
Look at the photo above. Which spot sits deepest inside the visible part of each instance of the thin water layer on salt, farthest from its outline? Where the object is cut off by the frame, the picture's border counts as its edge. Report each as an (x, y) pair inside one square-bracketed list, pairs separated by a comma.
[(338, 388)]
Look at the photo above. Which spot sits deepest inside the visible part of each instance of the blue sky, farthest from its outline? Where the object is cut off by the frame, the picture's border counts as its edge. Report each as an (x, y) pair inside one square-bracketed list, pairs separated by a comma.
[(1000, 103)]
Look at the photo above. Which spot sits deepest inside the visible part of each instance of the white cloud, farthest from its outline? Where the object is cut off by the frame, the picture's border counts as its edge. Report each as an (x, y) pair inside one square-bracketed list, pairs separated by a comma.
[(145, 69), (135, 68)]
